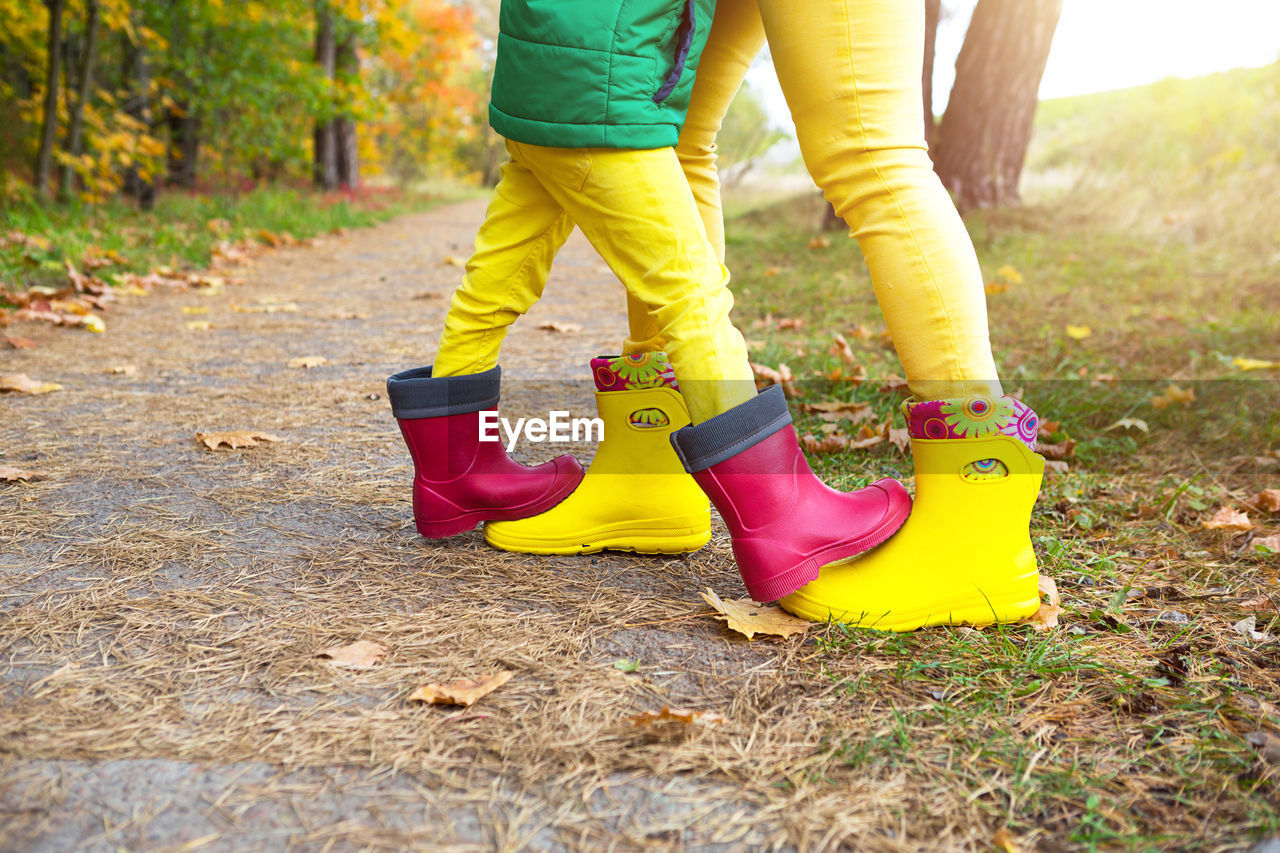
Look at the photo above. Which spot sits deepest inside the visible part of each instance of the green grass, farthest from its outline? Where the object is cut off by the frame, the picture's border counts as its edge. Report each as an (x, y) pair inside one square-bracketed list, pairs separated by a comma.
[(180, 232), (1124, 728)]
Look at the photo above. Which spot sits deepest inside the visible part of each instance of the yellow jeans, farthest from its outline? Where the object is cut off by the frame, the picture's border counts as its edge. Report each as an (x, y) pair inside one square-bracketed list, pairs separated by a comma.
[(850, 71), (637, 210)]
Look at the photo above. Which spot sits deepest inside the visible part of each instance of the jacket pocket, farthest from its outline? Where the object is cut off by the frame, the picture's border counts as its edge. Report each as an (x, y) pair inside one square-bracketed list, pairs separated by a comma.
[(684, 42)]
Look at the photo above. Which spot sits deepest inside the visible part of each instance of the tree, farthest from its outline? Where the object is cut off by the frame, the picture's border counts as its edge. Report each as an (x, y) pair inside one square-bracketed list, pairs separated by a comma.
[(985, 131), (84, 85), (932, 15), (44, 159)]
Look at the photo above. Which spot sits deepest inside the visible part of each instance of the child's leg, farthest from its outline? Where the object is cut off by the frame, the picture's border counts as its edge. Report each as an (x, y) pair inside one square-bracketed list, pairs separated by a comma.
[(523, 229), (637, 210), (736, 36), (850, 70)]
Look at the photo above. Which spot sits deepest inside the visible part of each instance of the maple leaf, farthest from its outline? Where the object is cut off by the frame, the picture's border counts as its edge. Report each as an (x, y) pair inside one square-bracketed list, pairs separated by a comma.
[(234, 439), (748, 618), (899, 437), (9, 474), (362, 654), (465, 691), (1227, 518), (1174, 394), (676, 715), (23, 384), (1078, 333), (1046, 617), (307, 361), (562, 328)]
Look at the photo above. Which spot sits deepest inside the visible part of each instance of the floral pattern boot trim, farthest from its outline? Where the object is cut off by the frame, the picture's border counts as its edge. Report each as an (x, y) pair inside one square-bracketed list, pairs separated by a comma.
[(630, 372), (974, 417)]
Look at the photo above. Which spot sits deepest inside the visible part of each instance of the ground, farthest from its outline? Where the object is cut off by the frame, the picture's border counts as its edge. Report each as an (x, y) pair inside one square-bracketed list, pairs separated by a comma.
[(163, 606)]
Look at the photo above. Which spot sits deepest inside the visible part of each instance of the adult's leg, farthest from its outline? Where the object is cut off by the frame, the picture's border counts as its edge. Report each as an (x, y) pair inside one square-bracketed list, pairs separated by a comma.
[(523, 230), (850, 70), (736, 36)]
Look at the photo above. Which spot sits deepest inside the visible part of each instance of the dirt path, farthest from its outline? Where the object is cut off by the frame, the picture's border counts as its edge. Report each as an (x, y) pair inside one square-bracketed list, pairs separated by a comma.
[(162, 604)]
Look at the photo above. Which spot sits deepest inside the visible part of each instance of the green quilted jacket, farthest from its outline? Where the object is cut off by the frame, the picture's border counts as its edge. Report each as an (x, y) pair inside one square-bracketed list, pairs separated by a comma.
[(597, 73)]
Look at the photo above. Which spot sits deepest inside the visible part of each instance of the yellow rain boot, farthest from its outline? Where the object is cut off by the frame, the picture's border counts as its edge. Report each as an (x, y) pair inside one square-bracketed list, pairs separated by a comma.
[(964, 557), (636, 496)]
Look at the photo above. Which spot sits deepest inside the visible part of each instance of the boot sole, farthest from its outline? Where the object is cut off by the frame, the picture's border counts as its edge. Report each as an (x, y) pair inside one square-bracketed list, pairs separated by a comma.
[(441, 529), (793, 578), (656, 536), (1011, 605)]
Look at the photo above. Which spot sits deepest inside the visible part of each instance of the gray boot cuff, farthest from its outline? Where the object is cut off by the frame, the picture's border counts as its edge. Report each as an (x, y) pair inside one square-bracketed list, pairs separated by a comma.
[(417, 394), (729, 433)]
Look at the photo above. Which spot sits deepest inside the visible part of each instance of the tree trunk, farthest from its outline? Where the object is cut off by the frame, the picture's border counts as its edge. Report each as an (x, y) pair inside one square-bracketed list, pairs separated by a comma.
[(184, 147), (44, 158), (85, 81), (347, 65), (987, 125), (325, 168), (138, 70), (932, 14)]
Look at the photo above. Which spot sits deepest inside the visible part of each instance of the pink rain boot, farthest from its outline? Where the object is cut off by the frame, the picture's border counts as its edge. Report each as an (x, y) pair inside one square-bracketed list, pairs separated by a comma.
[(460, 481), (785, 522)]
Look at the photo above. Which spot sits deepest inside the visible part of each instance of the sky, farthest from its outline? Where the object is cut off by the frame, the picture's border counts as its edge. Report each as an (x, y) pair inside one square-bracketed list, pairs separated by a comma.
[(1111, 44)]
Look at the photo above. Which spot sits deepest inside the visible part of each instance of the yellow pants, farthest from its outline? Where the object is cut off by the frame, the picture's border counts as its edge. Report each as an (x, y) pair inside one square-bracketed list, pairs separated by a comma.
[(637, 210), (850, 71)]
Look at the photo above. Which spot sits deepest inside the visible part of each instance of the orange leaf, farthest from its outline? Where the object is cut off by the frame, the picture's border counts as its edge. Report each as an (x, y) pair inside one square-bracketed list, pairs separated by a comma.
[(465, 691), (362, 654), (1174, 394), (819, 242), (234, 439), (676, 715)]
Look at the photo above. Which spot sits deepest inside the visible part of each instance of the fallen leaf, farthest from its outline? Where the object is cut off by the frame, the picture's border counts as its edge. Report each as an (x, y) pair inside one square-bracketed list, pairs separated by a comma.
[(1129, 423), (94, 324), (770, 272), (994, 287), (1002, 840), (234, 439), (765, 376), (349, 315), (861, 332), (893, 384), (454, 261), (1254, 364), (819, 242), (867, 436), (1267, 499), (1261, 603), (23, 384), (1227, 518), (1248, 627), (676, 715), (563, 328), (1078, 333), (266, 308), (362, 654), (306, 361), (1009, 274), (840, 347), (833, 443), (21, 343), (465, 691), (1268, 746), (1174, 394), (625, 665), (1266, 544), (1046, 617), (195, 309), (853, 410), (9, 474), (900, 437), (1062, 450), (791, 323), (747, 617), (121, 370)]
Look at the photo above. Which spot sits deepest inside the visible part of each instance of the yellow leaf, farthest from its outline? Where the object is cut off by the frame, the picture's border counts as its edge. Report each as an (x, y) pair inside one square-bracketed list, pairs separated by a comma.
[(465, 691), (1078, 333), (198, 325), (1004, 841), (361, 654), (676, 715), (1254, 364), (195, 309), (1009, 274), (234, 439), (747, 617), (23, 384), (1174, 394), (1227, 518), (266, 308), (94, 323), (454, 261), (995, 287)]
